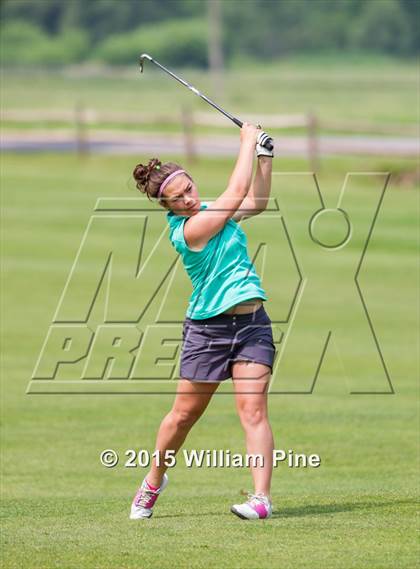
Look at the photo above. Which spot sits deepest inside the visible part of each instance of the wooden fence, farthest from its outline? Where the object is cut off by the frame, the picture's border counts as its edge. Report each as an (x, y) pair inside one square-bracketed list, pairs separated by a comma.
[(83, 121)]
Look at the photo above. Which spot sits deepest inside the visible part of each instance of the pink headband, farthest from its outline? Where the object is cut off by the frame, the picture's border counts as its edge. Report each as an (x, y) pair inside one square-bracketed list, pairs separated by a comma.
[(168, 179)]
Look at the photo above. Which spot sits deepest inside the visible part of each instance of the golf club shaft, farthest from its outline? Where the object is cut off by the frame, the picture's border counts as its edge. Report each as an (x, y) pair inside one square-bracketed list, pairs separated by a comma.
[(197, 92), (191, 88)]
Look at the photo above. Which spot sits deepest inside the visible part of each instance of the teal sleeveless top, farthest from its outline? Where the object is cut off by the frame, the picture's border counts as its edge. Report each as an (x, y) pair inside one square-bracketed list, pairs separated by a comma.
[(222, 274)]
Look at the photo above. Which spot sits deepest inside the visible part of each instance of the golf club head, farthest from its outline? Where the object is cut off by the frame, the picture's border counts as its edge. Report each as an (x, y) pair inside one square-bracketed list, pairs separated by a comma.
[(142, 58)]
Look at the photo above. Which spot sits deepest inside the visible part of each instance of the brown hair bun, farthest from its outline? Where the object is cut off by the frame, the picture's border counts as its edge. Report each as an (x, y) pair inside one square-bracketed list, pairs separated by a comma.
[(149, 178)]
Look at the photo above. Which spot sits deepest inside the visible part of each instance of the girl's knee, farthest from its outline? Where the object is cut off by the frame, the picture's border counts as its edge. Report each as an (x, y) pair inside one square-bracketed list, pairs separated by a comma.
[(252, 415), (184, 418)]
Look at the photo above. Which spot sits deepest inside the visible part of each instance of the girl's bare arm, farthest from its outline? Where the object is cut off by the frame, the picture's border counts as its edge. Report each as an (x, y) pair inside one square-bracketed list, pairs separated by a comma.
[(200, 228), (259, 193)]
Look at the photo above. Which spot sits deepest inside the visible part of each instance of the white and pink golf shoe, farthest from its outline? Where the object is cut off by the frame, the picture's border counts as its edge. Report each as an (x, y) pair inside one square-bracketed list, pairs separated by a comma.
[(257, 507)]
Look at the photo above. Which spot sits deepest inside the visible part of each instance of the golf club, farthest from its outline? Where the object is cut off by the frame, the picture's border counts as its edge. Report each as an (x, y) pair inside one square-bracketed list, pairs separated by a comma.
[(268, 143)]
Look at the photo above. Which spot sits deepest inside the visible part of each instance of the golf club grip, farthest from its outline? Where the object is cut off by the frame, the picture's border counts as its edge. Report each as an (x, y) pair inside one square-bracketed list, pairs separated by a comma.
[(239, 123)]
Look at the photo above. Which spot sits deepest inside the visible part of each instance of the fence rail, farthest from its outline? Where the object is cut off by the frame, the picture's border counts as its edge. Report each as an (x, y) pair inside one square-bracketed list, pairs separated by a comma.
[(94, 116)]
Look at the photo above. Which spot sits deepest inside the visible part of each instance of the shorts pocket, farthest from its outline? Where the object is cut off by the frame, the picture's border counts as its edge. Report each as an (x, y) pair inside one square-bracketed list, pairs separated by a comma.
[(185, 329), (209, 338), (265, 319)]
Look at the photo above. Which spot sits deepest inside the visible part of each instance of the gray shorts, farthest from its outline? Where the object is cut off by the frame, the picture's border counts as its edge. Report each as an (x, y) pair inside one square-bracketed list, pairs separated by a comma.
[(210, 346)]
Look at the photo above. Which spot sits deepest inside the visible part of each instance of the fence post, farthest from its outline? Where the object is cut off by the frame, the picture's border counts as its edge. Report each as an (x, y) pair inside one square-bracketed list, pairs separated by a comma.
[(313, 151), (188, 130), (82, 144)]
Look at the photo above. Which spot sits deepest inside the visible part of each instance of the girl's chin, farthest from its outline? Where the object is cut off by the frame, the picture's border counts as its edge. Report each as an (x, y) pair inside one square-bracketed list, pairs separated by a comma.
[(192, 211)]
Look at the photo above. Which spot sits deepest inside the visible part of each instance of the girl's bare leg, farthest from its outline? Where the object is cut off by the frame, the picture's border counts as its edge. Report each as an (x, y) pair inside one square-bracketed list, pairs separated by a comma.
[(190, 402), (251, 381)]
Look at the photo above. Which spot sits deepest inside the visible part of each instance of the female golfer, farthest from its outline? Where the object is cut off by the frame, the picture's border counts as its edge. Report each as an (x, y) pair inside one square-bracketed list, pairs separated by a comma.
[(226, 332)]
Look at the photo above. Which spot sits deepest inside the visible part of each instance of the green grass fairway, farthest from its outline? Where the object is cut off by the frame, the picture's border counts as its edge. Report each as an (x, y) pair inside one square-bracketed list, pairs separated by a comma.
[(62, 509)]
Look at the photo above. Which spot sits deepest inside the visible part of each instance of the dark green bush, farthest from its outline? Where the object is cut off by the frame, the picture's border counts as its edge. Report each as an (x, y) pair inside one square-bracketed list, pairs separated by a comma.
[(23, 43), (382, 27), (175, 43)]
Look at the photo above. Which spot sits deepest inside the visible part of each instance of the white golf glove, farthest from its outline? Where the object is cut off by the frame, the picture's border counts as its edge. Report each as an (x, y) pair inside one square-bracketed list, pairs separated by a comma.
[(262, 139)]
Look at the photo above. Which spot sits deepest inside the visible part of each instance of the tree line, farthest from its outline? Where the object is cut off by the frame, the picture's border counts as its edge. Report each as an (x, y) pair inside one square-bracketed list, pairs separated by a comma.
[(56, 32)]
